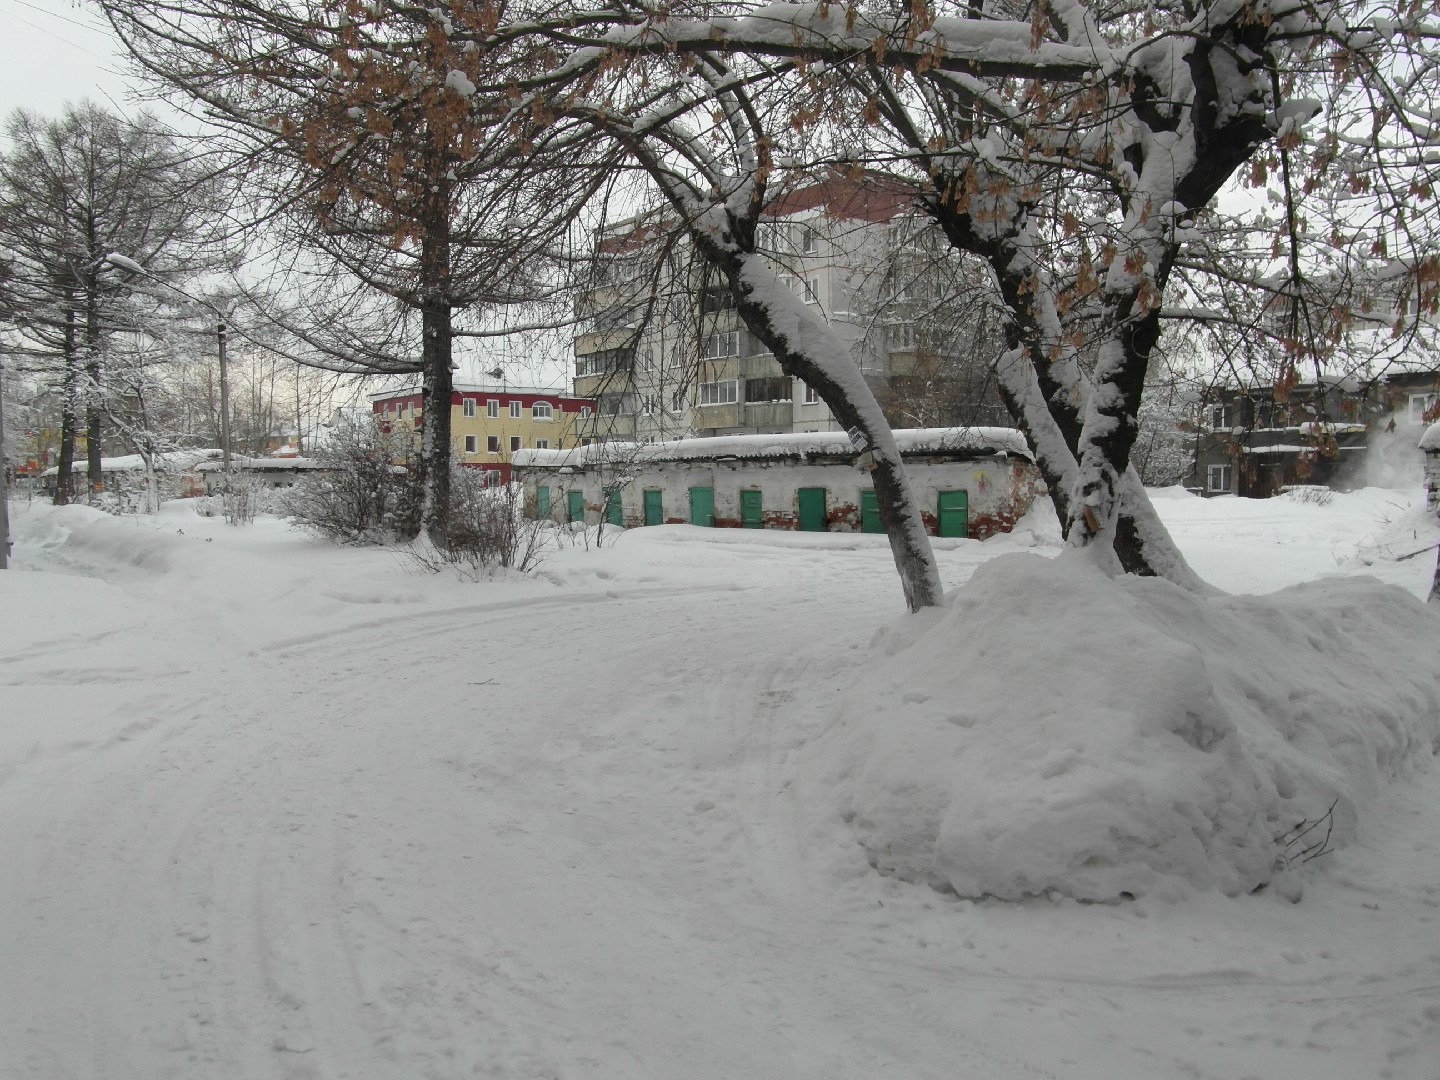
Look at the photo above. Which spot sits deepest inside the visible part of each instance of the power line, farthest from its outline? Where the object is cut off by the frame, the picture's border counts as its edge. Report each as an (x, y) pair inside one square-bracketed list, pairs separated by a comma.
[(56, 15)]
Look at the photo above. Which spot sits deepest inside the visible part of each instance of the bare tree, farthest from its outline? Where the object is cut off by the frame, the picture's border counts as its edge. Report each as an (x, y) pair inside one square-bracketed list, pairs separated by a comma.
[(378, 152), (72, 191)]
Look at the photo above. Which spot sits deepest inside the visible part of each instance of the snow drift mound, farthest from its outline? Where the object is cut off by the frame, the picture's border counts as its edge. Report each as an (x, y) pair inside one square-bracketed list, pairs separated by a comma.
[(1054, 729), (83, 538)]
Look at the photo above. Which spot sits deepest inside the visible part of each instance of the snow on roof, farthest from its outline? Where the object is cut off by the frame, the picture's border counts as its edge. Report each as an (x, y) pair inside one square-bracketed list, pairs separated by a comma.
[(797, 444), (1289, 448), (262, 464), (1430, 441), (415, 389), (171, 460)]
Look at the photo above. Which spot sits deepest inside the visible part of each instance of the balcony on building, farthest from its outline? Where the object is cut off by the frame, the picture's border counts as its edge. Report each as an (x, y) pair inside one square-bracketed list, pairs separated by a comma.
[(598, 370), (769, 403)]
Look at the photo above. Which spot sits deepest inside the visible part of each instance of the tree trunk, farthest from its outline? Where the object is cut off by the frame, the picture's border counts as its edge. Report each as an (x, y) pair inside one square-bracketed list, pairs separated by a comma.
[(1110, 427), (93, 431), (69, 417), (1143, 544), (1029, 376), (437, 388), (94, 448), (436, 354), (797, 338)]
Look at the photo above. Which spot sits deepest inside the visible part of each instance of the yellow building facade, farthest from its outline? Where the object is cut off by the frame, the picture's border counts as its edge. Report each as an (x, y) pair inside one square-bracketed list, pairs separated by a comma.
[(488, 423)]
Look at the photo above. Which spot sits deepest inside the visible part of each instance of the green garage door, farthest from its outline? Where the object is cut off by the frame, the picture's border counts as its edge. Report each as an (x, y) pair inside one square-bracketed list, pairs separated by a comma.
[(542, 502), (614, 513), (870, 513), (575, 504), (751, 516), (654, 507), (702, 506), (812, 509), (954, 513)]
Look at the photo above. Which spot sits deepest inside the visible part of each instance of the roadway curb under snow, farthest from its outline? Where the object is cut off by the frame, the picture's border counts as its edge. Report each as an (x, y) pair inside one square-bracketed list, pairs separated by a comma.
[(1051, 729)]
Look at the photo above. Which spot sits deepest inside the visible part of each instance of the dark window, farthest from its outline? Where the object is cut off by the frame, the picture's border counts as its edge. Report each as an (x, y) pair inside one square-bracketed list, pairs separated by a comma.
[(606, 362), (492, 443), (757, 390), (716, 298)]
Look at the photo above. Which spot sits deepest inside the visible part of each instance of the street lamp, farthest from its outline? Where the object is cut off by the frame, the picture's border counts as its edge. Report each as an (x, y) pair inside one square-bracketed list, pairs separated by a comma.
[(131, 266)]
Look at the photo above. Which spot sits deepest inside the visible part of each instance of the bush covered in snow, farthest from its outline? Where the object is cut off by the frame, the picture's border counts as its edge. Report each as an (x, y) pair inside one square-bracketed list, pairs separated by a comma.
[(360, 495), (488, 528), (1053, 729)]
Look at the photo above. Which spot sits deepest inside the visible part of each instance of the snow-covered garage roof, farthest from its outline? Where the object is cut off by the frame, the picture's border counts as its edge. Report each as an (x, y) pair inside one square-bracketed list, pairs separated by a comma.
[(796, 444)]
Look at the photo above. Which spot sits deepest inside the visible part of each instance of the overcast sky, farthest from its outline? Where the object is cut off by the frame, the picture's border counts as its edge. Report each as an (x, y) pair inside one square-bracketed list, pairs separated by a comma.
[(54, 51)]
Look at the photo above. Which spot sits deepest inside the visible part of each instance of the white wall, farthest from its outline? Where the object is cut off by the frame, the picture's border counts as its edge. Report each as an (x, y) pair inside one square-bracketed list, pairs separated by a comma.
[(999, 489)]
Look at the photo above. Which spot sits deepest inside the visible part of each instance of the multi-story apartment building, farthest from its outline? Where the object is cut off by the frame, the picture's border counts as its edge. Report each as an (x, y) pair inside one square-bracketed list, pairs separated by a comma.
[(488, 423), (1259, 440), (665, 355)]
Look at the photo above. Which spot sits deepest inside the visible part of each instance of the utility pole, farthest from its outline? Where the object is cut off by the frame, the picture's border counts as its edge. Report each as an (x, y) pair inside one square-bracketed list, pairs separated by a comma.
[(224, 404), (4, 480)]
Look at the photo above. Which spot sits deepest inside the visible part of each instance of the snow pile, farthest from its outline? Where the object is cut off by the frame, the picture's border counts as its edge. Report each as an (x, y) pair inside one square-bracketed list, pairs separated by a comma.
[(1054, 730), (78, 535), (1431, 439)]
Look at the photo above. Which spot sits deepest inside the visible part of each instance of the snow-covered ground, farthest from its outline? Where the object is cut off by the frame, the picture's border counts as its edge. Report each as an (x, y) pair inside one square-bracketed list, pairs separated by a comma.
[(273, 808)]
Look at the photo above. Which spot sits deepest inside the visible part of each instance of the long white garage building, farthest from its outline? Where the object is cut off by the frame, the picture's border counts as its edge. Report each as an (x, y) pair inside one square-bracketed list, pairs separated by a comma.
[(970, 481)]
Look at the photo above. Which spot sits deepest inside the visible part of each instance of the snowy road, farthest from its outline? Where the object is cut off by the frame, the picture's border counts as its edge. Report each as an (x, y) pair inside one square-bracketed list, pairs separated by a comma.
[(278, 810)]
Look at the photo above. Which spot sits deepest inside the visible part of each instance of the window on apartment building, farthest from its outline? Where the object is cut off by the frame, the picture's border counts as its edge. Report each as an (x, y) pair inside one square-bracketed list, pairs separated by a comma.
[(492, 408), (514, 410), (812, 396), (612, 404), (605, 362), (1218, 417), (902, 336), (808, 242), (492, 443), (762, 390), (516, 442), (1217, 478), (720, 344), (400, 409), (622, 267), (542, 444), (1423, 408), (617, 317), (716, 298), (584, 412), (677, 401), (472, 444), (810, 290), (469, 406), (541, 410), (720, 393)]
